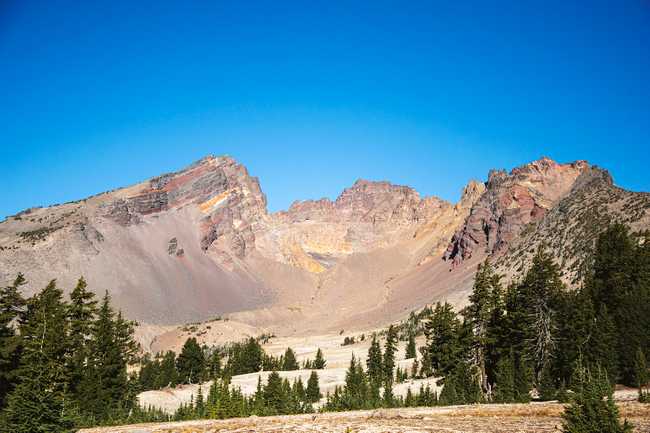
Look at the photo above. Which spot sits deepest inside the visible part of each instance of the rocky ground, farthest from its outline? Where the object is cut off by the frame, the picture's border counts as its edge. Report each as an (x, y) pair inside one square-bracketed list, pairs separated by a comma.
[(538, 418)]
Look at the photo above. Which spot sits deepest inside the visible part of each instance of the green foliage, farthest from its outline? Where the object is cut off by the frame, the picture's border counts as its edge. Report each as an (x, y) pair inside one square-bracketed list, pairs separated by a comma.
[(244, 358), (592, 409), (313, 389), (191, 362), (11, 305), (319, 361), (289, 360), (168, 376), (642, 376), (390, 347), (38, 403), (410, 347), (81, 312), (442, 332)]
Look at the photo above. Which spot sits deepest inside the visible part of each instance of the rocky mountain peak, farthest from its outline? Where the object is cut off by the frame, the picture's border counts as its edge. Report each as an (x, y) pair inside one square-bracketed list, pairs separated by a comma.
[(510, 202)]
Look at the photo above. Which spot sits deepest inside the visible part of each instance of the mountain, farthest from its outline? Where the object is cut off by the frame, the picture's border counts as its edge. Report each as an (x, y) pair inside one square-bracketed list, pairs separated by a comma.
[(199, 243)]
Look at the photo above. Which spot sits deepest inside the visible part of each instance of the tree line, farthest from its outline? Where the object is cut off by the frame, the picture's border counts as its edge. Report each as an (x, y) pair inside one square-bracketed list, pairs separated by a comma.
[(197, 364), (63, 363), (537, 335)]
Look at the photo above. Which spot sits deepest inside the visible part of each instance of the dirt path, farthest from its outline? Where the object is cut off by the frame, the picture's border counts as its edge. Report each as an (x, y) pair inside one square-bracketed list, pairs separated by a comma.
[(515, 418)]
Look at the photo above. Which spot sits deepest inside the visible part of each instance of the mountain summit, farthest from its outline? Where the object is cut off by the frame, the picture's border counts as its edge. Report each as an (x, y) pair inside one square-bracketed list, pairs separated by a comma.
[(200, 242)]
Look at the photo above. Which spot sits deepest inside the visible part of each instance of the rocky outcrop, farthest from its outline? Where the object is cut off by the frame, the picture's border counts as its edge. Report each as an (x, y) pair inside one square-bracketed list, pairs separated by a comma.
[(570, 228), (315, 234), (231, 203), (199, 242), (509, 203)]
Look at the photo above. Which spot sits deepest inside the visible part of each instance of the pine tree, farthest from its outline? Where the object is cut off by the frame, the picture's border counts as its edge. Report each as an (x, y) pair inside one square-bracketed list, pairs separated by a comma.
[(410, 347), (40, 403), (105, 384), (504, 387), (546, 387), (149, 370), (274, 395), (319, 361), (313, 388), (214, 365), (124, 330), (199, 406), (168, 376), (620, 281), (81, 314), (442, 331), (541, 290), (496, 336), (478, 315), (593, 409), (598, 350), (11, 305), (449, 396), (191, 362), (356, 391), (390, 347), (374, 361), (289, 360)]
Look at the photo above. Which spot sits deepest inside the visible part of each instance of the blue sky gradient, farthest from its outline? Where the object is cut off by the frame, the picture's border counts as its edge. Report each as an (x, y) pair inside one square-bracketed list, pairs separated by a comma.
[(311, 96)]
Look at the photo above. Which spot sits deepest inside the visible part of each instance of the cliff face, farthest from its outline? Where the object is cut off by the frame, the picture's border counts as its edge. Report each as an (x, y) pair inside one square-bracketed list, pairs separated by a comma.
[(197, 243), (510, 202), (200, 242), (315, 235)]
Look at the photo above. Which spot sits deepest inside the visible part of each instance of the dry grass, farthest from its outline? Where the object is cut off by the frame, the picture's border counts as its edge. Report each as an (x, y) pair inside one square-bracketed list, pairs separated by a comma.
[(515, 418)]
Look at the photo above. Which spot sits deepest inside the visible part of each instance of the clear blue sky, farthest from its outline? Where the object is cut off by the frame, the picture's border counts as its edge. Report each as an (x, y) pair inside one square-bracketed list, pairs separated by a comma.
[(313, 95)]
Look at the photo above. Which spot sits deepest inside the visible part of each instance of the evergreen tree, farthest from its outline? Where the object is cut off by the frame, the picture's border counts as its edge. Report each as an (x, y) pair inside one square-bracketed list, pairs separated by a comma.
[(319, 361), (40, 403), (124, 330), (410, 346), (504, 387), (478, 315), (541, 290), (620, 280), (546, 388), (168, 376), (390, 347), (289, 360), (598, 350), (375, 375), (214, 365), (199, 406), (11, 305), (148, 375), (313, 394), (448, 395), (409, 400), (642, 376), (442, 331), (274, 395), (105, 384), (81, 314), (356, 391), (496, 337), (191, 362), (593, 409)]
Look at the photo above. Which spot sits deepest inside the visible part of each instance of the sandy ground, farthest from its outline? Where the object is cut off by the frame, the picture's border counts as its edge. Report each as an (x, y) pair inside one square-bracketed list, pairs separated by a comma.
[(515, 418)]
